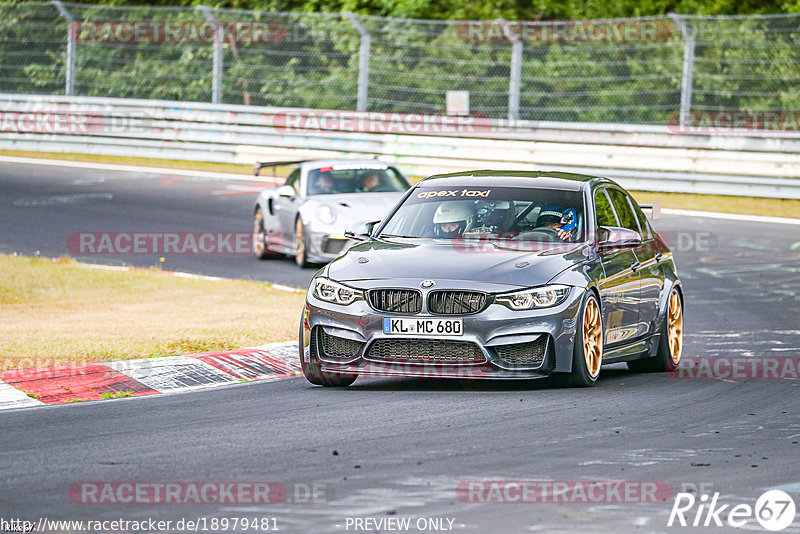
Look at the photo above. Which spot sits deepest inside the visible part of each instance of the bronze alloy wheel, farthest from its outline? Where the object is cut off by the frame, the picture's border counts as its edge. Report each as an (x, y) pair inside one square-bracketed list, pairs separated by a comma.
[(259, 235), (675, 327), (300, 243), (592, 337)]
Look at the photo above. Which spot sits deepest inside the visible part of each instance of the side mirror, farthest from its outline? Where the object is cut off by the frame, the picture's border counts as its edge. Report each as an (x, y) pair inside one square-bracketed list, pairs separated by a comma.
[(614, 237), (360, 230), (287, 191)]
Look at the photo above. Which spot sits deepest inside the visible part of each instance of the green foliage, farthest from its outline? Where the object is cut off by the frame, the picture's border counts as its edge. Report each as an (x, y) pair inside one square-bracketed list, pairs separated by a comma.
[(481, 10), (740, 63)]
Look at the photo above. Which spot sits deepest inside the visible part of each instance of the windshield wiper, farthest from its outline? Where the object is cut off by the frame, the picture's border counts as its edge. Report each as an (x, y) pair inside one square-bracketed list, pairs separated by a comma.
[(400, 236)]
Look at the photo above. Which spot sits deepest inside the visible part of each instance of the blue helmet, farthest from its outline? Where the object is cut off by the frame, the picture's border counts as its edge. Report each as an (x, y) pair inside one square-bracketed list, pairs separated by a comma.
[(551, 214)]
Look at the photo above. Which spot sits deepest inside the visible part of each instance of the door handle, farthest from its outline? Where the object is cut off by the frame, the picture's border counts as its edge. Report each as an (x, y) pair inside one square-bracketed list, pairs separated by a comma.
[(635, 265), (658, 256)]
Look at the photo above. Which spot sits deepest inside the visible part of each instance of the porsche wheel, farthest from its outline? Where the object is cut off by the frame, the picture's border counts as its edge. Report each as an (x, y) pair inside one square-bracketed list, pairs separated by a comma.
[(670, 346), (301, 244), (588, 353), (260, 237)]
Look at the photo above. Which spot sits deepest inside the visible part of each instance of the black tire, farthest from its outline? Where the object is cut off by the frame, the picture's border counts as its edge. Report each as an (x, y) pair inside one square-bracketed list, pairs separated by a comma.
[(260, 237), (581, 374), (312, 369), (663, 360), (301, 244)]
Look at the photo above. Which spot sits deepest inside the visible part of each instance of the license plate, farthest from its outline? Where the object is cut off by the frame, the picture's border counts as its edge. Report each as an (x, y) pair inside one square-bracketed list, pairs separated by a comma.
[(423, 327)]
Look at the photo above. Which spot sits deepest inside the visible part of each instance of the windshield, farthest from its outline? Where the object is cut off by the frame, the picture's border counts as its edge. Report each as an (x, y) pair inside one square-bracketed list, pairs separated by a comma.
[(515, 213), (355, 179)]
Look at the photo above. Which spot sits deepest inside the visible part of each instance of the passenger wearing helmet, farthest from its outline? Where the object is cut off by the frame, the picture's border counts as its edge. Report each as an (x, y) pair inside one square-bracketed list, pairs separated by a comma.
[(559, 219), (451, 219)]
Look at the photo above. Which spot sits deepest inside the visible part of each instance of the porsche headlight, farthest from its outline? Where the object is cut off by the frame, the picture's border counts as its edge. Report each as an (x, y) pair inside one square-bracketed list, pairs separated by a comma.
[(532, 299), (325, 214), (336, 293)]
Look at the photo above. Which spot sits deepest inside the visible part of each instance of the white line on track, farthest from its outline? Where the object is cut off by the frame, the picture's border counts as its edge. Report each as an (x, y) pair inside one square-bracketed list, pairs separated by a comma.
[(731, 216), (134, 168)]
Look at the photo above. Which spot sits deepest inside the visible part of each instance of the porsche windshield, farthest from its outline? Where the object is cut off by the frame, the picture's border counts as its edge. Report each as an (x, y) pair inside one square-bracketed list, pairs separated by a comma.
[(355, 179), (470, 212)]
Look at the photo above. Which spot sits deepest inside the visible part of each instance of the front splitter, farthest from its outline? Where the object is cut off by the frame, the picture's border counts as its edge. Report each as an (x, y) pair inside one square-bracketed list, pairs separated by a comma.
[(481, 372)]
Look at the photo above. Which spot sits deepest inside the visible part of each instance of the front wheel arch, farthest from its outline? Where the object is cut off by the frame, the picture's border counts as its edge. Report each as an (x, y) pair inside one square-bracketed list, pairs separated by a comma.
[(664, 361), (311, 367), (586, 370)]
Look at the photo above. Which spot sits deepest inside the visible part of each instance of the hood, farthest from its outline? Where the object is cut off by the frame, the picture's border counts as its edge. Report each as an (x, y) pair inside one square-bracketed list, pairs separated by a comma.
[(350, 207), (372, 263)]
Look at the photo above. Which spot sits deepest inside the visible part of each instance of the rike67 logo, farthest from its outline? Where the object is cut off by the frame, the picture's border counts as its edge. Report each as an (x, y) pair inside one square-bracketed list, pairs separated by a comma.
[(774, 510)]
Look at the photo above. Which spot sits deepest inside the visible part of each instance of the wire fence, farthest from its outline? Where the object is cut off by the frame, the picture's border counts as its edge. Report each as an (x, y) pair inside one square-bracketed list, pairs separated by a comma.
[(645, 70)]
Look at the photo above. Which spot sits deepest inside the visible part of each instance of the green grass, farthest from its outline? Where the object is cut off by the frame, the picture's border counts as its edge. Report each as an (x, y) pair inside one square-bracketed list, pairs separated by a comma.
[(117, 395), (772, 207), (62, 312)]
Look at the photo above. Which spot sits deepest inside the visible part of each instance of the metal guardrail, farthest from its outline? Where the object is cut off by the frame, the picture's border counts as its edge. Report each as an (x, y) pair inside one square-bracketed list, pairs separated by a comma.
[(655, 158)]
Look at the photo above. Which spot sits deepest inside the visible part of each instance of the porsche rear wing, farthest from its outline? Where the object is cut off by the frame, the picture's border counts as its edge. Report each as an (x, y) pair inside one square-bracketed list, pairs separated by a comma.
[(654, 206), (262, 165)]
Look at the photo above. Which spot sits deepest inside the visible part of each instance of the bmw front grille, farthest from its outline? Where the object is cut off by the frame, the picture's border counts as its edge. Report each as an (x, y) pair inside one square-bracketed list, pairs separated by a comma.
[(449, 302), (396, 300)]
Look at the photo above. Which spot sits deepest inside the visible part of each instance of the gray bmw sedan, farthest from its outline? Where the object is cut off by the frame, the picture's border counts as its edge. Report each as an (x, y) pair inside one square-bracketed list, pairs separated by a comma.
[(497, 275)]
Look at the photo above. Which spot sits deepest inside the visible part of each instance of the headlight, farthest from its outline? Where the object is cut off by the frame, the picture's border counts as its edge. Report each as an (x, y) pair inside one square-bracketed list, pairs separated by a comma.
[(531, 299), (326, 214), (335, 293)]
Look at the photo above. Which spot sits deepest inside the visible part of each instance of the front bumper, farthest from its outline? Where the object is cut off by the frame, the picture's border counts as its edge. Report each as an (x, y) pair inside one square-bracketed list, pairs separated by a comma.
[(324, 247), (503, 344)]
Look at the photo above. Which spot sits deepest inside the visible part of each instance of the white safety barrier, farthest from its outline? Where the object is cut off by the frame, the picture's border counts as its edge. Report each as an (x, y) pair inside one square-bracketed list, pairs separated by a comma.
[(656, 158)]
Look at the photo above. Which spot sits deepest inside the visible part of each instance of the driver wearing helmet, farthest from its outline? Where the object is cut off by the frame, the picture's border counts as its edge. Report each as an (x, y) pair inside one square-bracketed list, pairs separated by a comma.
[(451, 219), (557, 218)]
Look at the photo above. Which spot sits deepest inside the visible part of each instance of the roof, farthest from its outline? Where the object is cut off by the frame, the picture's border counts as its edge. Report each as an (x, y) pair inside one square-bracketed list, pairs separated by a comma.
[(544, 179), (317, 163)]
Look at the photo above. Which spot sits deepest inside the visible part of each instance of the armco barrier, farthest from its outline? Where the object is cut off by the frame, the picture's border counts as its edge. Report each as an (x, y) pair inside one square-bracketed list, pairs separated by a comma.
[(656, 158)]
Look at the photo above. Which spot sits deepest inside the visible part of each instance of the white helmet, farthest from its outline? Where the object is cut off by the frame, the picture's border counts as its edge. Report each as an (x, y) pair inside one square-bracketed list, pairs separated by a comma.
[(453, 212)]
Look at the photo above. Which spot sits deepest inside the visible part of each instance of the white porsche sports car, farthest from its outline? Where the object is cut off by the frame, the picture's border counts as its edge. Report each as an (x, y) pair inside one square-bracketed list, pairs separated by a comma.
[(307, 215)]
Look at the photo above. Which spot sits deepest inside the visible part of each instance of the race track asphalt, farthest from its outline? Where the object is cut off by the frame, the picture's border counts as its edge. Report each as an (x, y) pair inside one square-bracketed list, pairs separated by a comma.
[(398, 448)]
